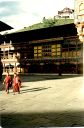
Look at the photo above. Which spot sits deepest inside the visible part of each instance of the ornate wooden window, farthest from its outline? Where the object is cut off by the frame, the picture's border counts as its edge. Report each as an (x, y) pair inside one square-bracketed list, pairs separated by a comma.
[(37, 51), (46, 51), (71, 48)]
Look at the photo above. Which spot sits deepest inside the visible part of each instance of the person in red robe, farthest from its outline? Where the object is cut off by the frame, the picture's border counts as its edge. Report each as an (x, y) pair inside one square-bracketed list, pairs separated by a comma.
[(16, 83), (7, 82)]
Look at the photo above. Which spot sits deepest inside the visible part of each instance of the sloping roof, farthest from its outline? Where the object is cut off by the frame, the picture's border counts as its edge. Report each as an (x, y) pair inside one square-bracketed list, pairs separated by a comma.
[(38, 26), (4, 26), (43, 33)]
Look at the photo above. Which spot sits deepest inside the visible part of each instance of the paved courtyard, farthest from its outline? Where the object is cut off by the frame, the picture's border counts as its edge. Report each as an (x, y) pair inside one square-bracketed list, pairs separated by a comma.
[(45, 101)]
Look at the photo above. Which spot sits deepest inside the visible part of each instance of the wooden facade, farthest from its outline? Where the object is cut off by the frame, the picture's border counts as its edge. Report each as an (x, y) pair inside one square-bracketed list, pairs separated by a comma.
[(49, 50), (3, 27), (79, 18)]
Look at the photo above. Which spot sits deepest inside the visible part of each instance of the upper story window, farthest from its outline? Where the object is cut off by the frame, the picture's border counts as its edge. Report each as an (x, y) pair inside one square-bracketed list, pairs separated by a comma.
[(46, 51)]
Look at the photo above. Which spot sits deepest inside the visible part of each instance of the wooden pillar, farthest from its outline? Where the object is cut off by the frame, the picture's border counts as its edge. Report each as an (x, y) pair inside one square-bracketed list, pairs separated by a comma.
[(15, 69), (3, 67), (4, 53), (8, 52)]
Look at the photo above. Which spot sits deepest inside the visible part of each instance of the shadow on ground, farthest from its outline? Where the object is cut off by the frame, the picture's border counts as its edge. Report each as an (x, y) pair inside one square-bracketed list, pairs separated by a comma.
[(41, 77), (31, 90), (34, 89), (52, 119), (34, 78)]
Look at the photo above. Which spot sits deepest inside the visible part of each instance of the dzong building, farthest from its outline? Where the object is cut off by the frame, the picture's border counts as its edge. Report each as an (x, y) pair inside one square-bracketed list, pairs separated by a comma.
[(54, 49)]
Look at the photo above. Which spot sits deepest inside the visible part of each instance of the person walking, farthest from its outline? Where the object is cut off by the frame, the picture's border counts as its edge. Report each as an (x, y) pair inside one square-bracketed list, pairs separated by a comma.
[(8, 82), (16, 83)]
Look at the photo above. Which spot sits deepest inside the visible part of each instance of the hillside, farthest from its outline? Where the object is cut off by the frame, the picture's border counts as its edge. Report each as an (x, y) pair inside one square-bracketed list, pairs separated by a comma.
[(47, 23)]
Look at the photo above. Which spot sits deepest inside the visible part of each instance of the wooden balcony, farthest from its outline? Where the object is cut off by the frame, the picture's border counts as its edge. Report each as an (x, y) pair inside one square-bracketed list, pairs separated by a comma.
[(8, 59)]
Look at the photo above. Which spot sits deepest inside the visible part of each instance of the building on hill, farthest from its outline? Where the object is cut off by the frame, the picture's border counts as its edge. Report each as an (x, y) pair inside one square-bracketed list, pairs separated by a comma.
[(49, 50), (65, 13)]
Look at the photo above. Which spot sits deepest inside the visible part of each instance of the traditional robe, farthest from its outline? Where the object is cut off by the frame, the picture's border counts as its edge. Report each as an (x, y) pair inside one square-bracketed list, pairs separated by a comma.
[(7, 82), (16, 84)]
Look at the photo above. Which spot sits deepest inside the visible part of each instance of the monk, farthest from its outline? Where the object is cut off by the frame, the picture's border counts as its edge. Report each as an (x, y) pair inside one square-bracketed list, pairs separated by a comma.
[(7, 82), (16, 83)]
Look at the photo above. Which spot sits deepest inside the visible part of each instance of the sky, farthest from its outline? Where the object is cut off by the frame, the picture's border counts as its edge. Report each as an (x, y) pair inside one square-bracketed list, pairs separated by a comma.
[(23, 13)]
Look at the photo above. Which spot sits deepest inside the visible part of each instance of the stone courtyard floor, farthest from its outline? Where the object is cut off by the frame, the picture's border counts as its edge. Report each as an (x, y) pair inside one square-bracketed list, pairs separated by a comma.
[(44, 101)]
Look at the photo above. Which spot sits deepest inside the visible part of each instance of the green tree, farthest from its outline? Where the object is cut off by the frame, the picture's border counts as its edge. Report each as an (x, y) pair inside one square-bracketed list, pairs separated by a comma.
[(48, 22)]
